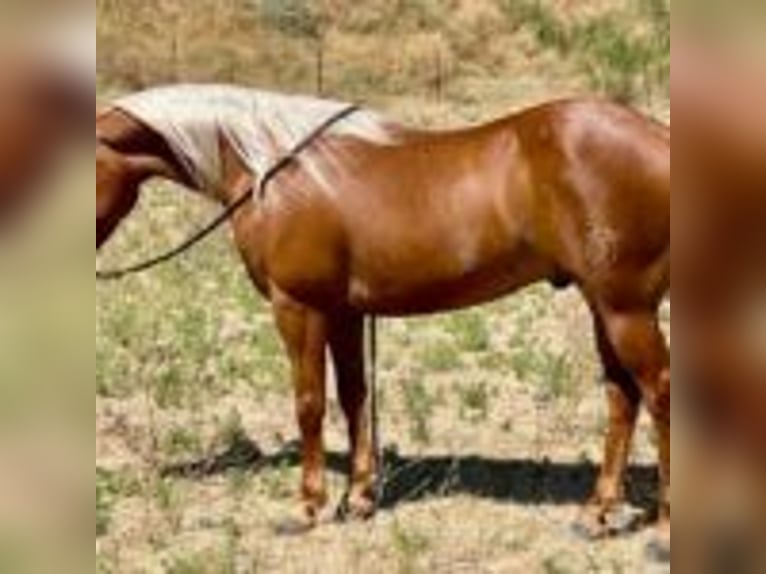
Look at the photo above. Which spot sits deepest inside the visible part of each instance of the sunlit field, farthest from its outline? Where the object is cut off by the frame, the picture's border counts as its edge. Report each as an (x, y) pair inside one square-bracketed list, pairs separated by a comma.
[(492, 419)]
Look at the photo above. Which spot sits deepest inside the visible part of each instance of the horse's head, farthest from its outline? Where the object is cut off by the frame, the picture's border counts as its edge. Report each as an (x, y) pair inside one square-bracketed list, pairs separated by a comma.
[(127, 155), (117, 186)]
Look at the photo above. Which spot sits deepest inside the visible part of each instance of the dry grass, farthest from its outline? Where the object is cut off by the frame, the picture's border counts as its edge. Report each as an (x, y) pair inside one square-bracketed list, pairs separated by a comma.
[(437, 50), (492, 418)]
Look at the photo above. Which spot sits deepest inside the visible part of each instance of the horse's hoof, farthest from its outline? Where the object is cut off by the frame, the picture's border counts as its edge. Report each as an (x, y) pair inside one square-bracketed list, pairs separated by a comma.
[(595, 525), (355, 509), (309, 519), (294, 526), (622, 520), (587, 531), (658, 551)]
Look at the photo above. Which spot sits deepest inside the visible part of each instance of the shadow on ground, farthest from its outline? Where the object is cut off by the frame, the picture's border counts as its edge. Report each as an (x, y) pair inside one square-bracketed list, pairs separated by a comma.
[(409, 479)]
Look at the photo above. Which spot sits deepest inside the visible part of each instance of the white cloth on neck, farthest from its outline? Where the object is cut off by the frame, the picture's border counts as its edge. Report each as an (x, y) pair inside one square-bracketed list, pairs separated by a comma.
[(260, 126)]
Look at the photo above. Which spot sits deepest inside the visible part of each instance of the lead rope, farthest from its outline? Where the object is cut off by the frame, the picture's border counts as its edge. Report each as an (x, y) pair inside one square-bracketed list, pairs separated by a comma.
[(228, 212), (377, 445)]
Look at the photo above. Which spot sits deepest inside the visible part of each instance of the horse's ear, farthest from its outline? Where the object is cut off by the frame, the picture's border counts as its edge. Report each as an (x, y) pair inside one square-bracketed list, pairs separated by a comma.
[(101, 112)]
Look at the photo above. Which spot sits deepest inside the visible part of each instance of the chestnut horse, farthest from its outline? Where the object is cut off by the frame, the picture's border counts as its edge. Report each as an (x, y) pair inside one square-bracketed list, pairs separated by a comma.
[(46, 96), (379, 219), (718, 91), (720, 238)]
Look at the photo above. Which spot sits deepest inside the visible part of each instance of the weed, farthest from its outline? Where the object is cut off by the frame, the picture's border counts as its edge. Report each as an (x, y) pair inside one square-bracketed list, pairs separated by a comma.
[(195, 331), (232, 432), (166, 495), (548, 30), (613, 60), (238, 480), (179, 442), (168, 385), (440, 357), (552, 565), (409, 544), (420, 406), (550, 372), (617, 61), (110, 488), (471, 331), (474, 402), (104, 502), (206, 562), (279, 482)]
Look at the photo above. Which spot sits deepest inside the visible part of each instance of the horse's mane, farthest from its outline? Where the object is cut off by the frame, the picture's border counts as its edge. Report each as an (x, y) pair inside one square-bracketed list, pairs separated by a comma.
[(258, 125)]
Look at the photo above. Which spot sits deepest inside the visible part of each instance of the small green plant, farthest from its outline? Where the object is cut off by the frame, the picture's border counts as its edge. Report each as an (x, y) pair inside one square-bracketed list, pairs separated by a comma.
[(440, 357), (212, 561), (419, 405), (180, 441), (279, 482), (232, 433), (549, 371), (552, 565), (617, 61), (168, 499), (104, 565), (188, 565), (556, 376), (410, 546), (104, 502), (471, 331), (474, 402), (168, 384), (614, 61), (110, 487), (548, 30), (103, 389), (233, 541), (238, 480)]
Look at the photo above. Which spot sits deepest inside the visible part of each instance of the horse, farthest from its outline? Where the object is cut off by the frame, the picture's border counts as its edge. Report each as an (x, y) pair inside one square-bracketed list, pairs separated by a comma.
[(720, 238), (46, 94), (717, 93), (379, 219)]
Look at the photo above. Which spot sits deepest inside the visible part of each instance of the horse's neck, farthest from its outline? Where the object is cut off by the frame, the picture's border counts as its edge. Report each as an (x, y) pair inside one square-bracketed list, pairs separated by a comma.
[(223, 136), (145, 151)]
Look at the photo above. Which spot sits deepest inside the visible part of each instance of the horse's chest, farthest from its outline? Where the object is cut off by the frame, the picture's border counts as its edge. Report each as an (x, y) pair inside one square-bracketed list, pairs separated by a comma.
[(298, 249)]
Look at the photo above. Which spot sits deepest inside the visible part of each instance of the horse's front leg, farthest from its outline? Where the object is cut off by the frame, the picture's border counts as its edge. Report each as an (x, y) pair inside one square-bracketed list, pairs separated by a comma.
[(304, 332), (346, 336)]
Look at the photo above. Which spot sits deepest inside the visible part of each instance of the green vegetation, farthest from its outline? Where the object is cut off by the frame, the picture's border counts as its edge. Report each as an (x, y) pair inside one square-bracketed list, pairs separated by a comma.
[(474, 401), (369, 50), (471, 331), (440, 357), (110, 488), (621, 58), (419, 404), (410, 546), (189, 369)]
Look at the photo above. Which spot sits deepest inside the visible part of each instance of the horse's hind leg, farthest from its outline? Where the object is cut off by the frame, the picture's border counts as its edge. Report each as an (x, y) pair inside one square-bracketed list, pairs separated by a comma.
[(640, 346), (347, 346), (624, 401), (304, 332)]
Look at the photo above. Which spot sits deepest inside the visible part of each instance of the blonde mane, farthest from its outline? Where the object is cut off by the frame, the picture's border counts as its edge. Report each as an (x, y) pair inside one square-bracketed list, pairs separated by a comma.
[(259, 126)]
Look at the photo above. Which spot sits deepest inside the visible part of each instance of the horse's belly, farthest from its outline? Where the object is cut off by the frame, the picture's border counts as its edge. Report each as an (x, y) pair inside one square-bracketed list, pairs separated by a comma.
[(424, 288)]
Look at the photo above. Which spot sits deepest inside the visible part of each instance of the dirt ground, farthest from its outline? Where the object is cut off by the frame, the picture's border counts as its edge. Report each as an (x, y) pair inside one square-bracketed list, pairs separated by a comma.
[(492, 421)]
